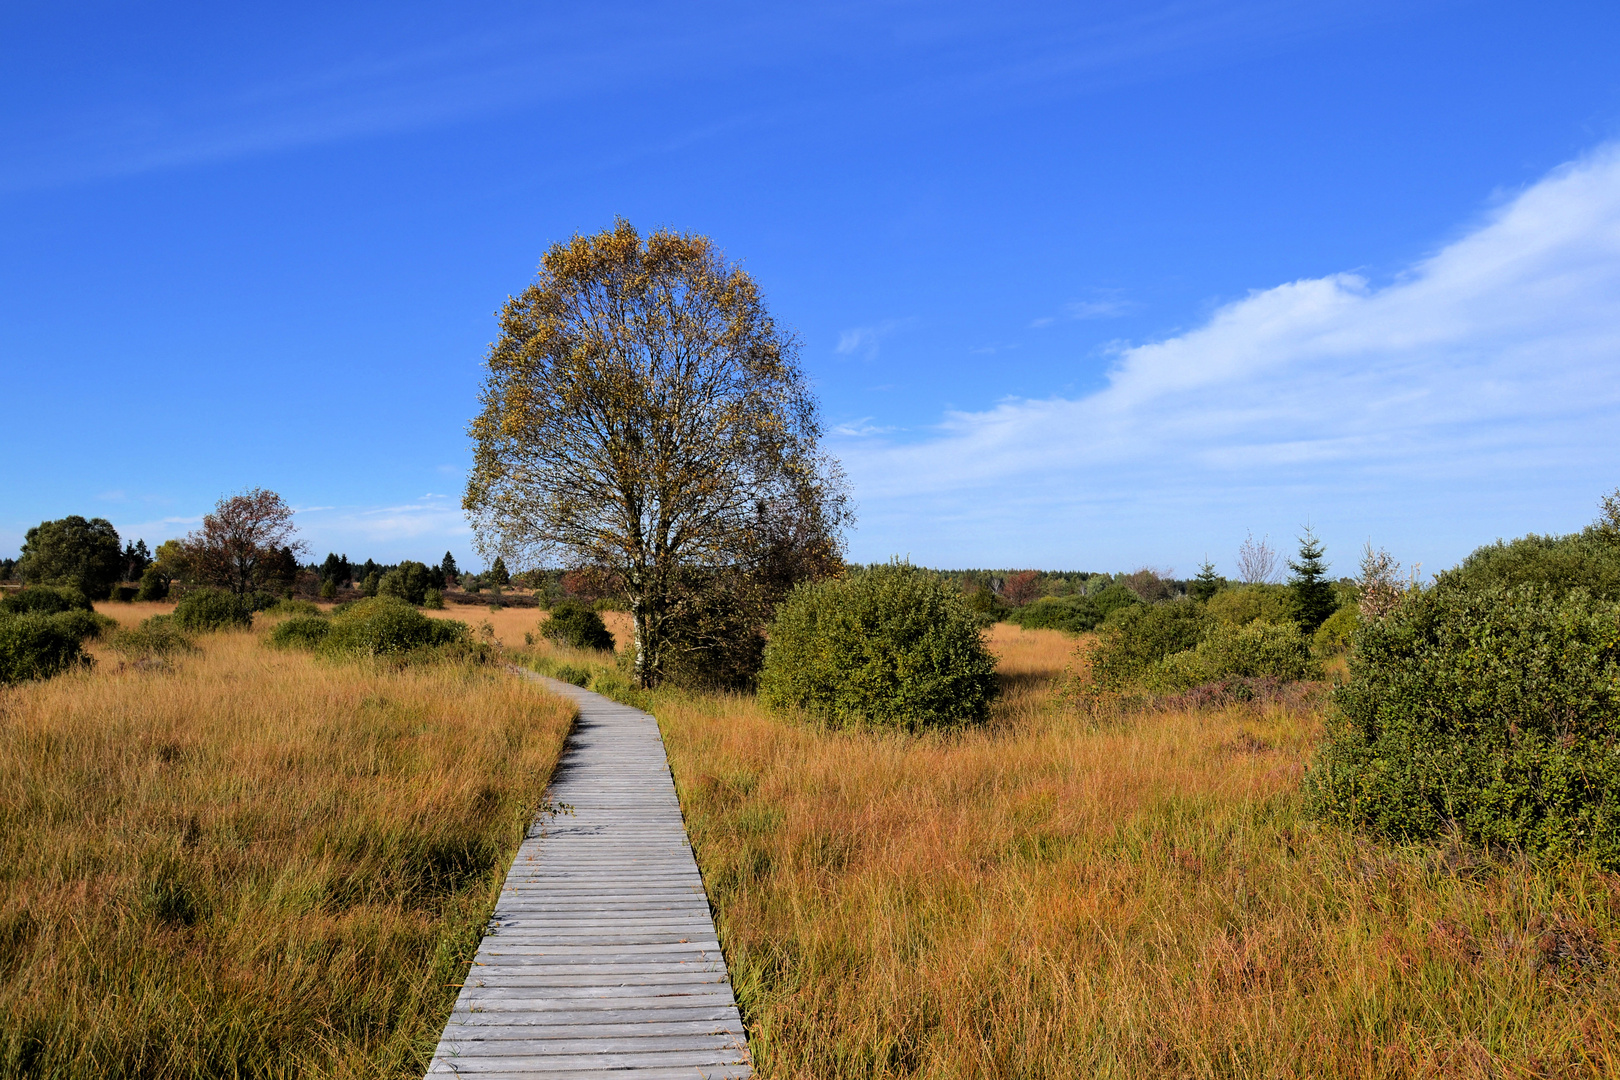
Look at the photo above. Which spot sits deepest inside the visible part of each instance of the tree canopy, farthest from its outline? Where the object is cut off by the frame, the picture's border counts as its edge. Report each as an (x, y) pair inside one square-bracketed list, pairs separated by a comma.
[(644, 414), (73, 551), (247, 543)]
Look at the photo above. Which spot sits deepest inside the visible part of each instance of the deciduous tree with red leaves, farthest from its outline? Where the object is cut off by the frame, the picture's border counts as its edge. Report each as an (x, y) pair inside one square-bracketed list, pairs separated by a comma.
[(246, 543)]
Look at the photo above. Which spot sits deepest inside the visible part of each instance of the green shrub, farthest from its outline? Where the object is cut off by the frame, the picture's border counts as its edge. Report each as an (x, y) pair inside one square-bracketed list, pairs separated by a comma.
[(370, 584), (154, 585), (328, 589), (1334, 635), (579, 625), (1491, 709), (433, 600), (1115, 597), (1073, 614), (1137, 638), (1555, 563), (988, 608), (34, 646), (409, 581), (300, 632), (293, 607), (84, 624), (893, 645), (386, 626), (205, 610), (1257, 650), (155, 637), (1251, 603), (44, 600), (570, 673)]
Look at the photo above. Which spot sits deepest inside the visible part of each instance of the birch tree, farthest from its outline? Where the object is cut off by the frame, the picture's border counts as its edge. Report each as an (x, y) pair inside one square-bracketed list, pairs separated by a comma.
[(644, 415)]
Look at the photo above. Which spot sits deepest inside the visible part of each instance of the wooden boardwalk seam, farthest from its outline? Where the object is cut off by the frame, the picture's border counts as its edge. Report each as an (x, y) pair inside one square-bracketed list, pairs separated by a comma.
[(601, 959)]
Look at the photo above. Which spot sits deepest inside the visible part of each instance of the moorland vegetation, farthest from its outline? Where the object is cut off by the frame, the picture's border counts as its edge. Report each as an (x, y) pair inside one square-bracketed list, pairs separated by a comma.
[(223, 858)]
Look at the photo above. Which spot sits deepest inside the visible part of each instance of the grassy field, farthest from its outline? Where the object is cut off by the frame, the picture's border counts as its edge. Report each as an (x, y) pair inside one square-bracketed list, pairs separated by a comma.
[(250, 862), (1064, 896), (254, 863)]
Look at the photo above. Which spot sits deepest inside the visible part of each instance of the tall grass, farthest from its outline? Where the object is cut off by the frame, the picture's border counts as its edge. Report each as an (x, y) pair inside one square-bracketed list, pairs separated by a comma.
[(252, 863), (1061, 896)]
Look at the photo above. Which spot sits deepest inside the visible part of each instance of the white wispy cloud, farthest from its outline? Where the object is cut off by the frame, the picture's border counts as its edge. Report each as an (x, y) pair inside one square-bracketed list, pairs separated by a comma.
[(1106, 304), (861, 428), (864, 341), (1106, 307), (1476, 394)]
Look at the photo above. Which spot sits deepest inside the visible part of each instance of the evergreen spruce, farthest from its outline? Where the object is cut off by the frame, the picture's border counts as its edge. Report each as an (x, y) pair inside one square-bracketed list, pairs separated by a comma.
[(1206, 584), (1313, 592)]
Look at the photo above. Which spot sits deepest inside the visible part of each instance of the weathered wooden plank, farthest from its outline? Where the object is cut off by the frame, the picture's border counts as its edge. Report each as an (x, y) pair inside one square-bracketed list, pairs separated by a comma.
[(706, 1072), (568, 1019), (601, 958), (625, 1061)]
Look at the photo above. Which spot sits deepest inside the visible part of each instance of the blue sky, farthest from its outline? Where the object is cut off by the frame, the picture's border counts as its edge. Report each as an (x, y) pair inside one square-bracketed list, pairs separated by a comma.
[(1084, 286)]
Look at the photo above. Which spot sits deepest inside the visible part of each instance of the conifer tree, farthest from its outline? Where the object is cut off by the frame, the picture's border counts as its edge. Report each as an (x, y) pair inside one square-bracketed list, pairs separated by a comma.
[(1206, 584), (1313, 592)]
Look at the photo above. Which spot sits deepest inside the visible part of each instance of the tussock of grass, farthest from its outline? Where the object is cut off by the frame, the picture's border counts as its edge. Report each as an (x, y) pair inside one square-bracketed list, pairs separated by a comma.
[(252, 863), (1057, 897)]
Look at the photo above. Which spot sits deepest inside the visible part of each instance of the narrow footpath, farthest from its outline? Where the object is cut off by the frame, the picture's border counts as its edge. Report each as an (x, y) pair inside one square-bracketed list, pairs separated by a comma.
[(601, 959)]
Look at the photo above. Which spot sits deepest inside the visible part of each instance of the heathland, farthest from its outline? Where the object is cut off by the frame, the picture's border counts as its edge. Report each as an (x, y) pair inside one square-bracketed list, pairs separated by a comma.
[(254, 861), (1072, 891), (244, 861)]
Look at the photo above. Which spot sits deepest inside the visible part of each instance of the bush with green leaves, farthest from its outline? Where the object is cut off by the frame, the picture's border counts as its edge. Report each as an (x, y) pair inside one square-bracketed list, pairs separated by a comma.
[(385, 626), (1250, 603), (157, 636), (202, 611), (433, 600), (1136, 639), (1114, 597), (409, 581), (1490, 709), (37, 642), (578, 625), (39, 646), (573, 674), (892, 646), (1553, 563), (154, 585), (301, 632), (293, 607), (1071, 614), (85, 624), (44, 600), (1334, 635), (1256, 650)]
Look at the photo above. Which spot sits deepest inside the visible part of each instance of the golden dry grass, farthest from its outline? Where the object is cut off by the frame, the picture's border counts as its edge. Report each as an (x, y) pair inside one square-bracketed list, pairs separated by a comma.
[(253, 863), (1057, 896), (509, 624)]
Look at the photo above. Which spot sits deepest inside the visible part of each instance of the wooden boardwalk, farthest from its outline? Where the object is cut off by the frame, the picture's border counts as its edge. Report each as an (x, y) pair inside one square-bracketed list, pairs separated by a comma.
[(601, 959)]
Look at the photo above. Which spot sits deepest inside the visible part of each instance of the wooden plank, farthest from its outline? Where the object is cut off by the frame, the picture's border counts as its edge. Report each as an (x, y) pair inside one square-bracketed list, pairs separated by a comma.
[(601, 958)]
